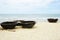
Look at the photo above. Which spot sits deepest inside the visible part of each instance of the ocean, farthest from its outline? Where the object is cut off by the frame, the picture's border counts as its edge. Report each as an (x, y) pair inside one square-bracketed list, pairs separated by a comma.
[(40, 17)]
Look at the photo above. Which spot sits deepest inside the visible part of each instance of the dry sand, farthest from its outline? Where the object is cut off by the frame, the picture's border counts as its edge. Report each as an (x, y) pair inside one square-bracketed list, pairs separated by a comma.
[(41, 31)]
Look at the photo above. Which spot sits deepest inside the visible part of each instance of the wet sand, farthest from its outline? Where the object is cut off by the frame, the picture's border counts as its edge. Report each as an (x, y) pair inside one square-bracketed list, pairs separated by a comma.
[(41, 31)]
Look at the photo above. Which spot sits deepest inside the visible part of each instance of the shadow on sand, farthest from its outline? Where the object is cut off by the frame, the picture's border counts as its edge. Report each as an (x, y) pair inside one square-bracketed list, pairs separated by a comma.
[(16, 28)]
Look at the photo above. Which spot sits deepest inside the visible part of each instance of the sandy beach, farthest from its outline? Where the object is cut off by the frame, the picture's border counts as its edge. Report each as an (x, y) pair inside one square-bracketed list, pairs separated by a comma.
[(41, 31)]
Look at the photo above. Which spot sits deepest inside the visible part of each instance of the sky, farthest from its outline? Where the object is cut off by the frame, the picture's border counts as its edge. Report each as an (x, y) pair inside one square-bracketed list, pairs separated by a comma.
[(29, 6)]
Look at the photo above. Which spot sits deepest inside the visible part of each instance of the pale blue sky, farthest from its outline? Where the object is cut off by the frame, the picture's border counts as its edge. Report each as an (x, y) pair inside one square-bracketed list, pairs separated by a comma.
[(30, 6)]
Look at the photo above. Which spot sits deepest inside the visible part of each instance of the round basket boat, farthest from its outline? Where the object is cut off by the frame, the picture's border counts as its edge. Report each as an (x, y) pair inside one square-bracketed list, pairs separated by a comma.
[(52, 20), (28, 24), (8, 25)]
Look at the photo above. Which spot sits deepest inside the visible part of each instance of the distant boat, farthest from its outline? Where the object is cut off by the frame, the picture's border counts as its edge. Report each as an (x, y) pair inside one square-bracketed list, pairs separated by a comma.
[(52, 20)]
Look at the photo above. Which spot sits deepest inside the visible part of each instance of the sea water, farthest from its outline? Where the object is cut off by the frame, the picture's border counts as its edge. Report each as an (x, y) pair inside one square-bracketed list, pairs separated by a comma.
[(39, 17)]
